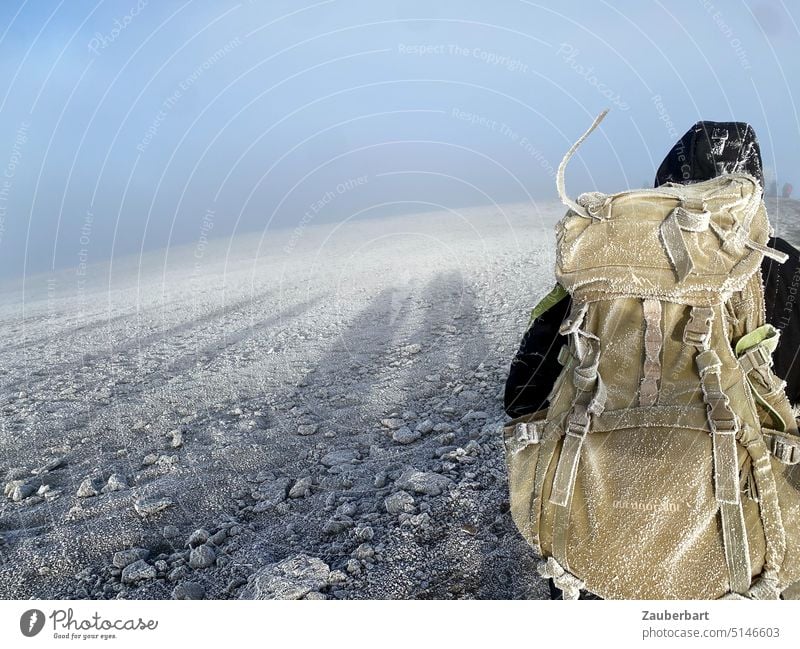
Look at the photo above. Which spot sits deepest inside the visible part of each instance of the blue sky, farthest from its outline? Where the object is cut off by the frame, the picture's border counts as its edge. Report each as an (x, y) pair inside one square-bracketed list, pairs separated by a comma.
[(125, 123)]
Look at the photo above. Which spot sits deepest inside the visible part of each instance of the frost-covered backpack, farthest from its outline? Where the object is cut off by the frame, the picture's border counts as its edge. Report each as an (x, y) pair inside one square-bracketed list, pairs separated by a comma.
[(666, 463)]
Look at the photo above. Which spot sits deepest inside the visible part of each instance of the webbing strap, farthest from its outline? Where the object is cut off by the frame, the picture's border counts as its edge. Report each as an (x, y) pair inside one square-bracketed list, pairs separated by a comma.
[(724, 429), (564, 479), (590, 399), (734, 536), (542, 466), (754, 351), (772, 253), (682, 219), (653, 341), (769, 507), (562, 193), (560, 534)]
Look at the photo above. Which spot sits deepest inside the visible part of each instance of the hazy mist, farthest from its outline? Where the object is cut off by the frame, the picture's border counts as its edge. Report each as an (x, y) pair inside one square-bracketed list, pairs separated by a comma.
[(133, 125)]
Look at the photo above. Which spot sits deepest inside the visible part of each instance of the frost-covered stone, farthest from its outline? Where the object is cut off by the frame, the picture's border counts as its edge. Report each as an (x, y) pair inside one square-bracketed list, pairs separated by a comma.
[(170, 532), (422, 482), (364, 552), (202, 557), (270, 494), (124, 558), (198, 537), (19, 490), (398, 502), (307, 429), (151, 506), (405, 435), (341, 456), (292, 578), (138, 571), (87, 489), (301, 488), (188, 590), (338, 525), (116, 482)]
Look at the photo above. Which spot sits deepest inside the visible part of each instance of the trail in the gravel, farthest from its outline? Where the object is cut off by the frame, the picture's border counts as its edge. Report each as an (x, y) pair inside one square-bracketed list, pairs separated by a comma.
[(279, 394)]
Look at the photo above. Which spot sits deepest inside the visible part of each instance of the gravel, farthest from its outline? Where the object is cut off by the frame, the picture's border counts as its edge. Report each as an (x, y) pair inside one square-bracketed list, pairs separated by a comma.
[(209, 369)]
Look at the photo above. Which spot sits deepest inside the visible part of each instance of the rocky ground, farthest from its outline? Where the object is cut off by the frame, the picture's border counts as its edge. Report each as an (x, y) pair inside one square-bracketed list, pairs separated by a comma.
[(312, 415)]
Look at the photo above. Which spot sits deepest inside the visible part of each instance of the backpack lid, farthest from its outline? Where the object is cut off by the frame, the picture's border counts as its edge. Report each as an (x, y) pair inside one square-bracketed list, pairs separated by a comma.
[(694, 244)]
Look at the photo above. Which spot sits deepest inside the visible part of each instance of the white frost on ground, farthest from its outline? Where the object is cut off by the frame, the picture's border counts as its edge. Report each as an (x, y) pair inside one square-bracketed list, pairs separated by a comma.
[(250, 402)]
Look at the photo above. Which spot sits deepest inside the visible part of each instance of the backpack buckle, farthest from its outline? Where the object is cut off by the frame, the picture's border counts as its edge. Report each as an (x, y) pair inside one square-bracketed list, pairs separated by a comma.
[(755, 358), (578, 424), (785, 450), (525, 434), (722, 419), (697, 331), (725, 427)]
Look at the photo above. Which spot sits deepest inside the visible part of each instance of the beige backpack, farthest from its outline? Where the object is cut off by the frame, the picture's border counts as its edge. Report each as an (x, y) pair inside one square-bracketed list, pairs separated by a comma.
[(665, 465)]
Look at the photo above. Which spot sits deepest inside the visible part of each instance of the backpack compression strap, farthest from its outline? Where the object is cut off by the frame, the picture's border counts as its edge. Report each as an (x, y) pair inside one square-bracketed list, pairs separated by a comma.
[(590, 399), (724, 426)]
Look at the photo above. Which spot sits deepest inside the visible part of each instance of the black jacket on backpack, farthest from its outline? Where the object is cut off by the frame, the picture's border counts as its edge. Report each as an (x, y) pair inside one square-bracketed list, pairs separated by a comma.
[(707, 150)]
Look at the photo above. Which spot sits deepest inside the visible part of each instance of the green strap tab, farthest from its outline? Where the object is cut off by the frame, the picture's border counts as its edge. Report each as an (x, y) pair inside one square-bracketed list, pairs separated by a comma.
[(766, 334), (548, 302)]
